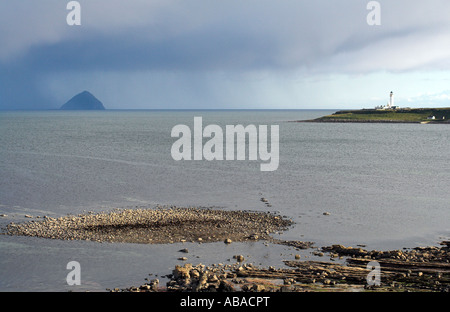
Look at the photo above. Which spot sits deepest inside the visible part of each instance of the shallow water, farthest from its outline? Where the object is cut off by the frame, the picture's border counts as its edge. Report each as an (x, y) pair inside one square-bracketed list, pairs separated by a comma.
[(384, 185)]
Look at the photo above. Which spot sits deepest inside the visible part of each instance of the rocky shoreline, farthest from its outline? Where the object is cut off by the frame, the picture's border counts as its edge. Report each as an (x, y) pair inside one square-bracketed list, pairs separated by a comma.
[(420, 269), (417, 269), (341, 120)]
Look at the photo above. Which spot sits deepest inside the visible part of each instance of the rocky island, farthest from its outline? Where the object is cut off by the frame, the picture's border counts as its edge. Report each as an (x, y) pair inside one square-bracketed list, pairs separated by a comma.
[(83, 101), (399, 115)]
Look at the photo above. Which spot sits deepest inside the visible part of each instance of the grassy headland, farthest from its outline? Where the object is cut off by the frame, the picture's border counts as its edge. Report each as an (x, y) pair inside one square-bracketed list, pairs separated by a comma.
[(404, 115)]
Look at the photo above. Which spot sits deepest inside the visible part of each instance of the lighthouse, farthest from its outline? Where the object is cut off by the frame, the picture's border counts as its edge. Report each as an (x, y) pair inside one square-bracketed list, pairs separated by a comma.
[(389, 105)]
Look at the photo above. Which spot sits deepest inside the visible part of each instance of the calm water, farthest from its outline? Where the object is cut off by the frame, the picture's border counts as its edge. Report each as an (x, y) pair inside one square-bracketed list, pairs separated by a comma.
[(385, 186)]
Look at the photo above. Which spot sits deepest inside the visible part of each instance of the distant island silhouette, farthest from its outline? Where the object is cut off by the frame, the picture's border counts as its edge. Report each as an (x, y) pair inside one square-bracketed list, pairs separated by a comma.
[(83, 101)]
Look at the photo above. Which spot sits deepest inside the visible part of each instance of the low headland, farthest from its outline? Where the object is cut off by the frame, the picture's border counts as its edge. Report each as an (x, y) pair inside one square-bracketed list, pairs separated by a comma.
[(348, 268), (399, 115)]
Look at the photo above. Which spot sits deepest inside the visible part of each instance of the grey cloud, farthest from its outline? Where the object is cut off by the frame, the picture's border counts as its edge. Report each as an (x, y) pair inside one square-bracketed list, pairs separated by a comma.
[(193, 34), (315, 37)]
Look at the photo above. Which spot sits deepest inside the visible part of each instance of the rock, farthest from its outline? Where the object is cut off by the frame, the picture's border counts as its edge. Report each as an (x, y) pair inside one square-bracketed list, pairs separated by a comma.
[(182, 258), (227, 241), (203, 279), (225, 286), (195, 273), (297, 257), (288, 281), (185, 250), (145, 287), (258, 287), (326, 213), (182, 272), (154, 284), (342, 250), (28, 216), (239, 258)]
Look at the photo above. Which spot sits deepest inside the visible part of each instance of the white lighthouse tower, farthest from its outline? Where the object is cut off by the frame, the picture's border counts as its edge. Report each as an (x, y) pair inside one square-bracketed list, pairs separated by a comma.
[(389, 105)]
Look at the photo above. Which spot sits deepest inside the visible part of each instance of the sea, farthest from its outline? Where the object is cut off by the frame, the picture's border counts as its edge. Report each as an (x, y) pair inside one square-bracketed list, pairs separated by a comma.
[(380, 186)]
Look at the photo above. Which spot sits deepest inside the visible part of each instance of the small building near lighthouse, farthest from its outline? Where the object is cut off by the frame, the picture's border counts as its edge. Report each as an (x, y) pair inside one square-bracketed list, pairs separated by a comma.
[(390, 103)]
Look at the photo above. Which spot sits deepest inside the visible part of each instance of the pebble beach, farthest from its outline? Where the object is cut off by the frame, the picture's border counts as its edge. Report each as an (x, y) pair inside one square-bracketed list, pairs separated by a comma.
[(155, 226)]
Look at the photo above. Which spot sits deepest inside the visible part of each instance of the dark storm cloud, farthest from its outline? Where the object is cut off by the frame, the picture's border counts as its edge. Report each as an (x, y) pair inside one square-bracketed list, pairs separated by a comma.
[(200, 51), (206, 35), (314, 37), (20, 88), (194, 34)]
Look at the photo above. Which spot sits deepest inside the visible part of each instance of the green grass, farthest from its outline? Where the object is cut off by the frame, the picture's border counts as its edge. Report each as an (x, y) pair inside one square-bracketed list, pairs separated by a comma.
[(403, 115)]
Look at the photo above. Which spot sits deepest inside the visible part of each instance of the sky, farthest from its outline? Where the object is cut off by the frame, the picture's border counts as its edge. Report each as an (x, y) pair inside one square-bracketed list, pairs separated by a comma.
[(233, 54)]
